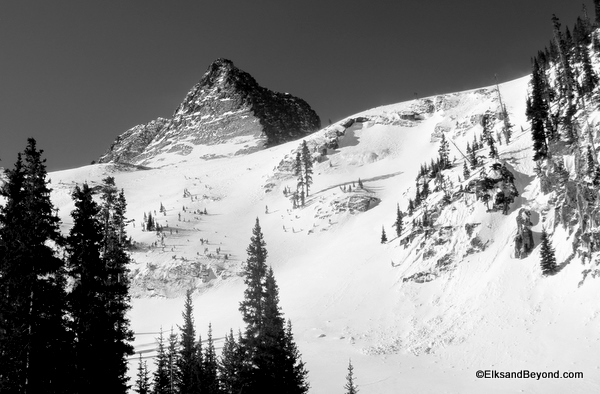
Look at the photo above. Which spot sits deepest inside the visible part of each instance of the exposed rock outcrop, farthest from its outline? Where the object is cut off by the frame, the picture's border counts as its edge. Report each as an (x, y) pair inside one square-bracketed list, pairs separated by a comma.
[(226, 103)]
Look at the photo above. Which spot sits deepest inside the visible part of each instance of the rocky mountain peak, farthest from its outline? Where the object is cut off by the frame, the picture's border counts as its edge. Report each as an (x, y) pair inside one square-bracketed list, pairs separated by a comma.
[(226, 103)]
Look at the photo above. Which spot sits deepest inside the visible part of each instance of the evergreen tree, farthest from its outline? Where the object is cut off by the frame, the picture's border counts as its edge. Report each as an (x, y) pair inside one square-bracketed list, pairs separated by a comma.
[(150, 223), (473, 159), (425, 190), (142, 382), (538, 114), (298, 173), (35, 345), (383, 236), (295, 374), (161, 374), (548, 259), (350, 387), (466, 172), (172, 357), (116, 298), (264, 345), (590, 78), (307, 166), (398, 223), (230, 365), (444, 153), (255, 271), (186, 377), (410, 207), (210, 377), (488, 137), (87, 300), (591, 164)]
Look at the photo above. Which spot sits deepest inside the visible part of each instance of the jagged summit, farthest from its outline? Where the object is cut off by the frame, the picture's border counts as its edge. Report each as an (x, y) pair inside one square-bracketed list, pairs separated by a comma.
[(226, 105), (223, 79)]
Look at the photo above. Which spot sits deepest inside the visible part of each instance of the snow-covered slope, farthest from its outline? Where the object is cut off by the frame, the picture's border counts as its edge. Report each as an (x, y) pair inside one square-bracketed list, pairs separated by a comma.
[(348, 295)]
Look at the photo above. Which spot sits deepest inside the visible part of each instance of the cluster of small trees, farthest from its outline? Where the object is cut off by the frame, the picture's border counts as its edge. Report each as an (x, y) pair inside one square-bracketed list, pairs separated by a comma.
[(63, 300), (569, 57), (262, 359)]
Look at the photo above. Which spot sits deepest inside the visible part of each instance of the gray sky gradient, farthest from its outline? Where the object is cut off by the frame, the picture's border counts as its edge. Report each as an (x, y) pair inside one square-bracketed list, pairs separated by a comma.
[(74, 74)]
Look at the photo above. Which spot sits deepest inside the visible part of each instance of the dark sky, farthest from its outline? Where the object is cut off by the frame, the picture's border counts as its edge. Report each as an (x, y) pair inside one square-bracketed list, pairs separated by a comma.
[(75, 74)]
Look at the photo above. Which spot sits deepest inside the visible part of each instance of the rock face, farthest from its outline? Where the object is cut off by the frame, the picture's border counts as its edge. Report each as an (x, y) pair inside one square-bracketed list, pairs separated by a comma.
[(226, 103)]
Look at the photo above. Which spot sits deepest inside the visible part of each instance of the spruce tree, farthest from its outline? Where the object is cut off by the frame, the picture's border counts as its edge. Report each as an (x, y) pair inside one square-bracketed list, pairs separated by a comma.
[(350, 386), (230, 365), (489, 138), (466, 172), (264, 342), (547, 257), (383, 236), (298, 173), (444, 153), (255, 270), (142, 382), (210, 377), (161, 374), (398, 223), (538, 114), (307, 165), (35, 344), (87, 300), (117, 299), (295, 373), (172, 357), (187, 374)]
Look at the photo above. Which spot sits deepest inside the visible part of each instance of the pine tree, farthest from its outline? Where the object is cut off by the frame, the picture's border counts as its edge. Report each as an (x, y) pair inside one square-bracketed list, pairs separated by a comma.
[(161, 374), (150, 222), (350, 386), (87, 300), (538, 114), (473, 159), (172, 357), (590, 78), (230, 365), (210, 377), (489, 138), (444, 153), (298, 173), (398, 223), (142, 382), (294, 372), (264, 344), (466, 172), (307, 165), (590, 162), (383, 236), (186, 376), (35, 344), (255, 270), (547, 257), (116, 298)]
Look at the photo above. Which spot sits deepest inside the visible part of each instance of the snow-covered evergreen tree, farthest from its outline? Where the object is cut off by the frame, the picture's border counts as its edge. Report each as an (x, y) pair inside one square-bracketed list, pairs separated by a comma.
[(350, 386), (547, 256)]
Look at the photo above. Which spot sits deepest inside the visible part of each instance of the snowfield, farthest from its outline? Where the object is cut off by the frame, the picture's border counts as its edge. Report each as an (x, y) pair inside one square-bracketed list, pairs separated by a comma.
[(347, 294)]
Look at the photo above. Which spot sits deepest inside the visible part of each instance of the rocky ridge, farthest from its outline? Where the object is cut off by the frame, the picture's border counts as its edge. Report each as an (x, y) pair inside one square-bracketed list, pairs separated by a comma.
[(225, 104)]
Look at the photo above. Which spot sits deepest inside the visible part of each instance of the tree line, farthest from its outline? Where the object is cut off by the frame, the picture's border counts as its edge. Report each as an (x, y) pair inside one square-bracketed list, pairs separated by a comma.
[(63, 299)]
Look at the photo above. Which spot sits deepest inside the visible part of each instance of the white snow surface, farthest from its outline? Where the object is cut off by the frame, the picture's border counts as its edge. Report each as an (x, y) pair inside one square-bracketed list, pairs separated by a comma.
[(342, 288)]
